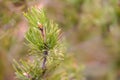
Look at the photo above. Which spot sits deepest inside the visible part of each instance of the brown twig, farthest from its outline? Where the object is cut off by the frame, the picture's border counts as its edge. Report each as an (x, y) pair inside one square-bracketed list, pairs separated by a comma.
[(45, 53)]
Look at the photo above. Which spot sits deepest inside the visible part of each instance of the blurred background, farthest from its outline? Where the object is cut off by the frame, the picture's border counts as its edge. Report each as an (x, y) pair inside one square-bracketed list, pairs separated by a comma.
[(91, 28)]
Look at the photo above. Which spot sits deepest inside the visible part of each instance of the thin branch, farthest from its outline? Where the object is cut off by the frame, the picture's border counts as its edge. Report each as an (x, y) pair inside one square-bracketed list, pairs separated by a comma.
[(45, 53)]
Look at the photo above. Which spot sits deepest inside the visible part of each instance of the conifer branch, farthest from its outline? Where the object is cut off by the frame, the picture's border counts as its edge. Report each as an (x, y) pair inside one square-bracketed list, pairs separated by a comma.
[(44, 41)]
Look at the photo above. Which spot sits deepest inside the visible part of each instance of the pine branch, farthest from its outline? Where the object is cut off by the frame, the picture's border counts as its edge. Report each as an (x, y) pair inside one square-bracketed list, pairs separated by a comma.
[(45, 46)]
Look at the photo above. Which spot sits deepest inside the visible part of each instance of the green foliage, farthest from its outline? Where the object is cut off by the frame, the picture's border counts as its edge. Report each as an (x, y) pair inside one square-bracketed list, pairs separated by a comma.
[(34, 36), (46, 47)]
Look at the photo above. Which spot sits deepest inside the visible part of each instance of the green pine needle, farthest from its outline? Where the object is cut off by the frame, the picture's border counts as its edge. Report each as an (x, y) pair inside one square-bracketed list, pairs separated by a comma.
[(42, 36)]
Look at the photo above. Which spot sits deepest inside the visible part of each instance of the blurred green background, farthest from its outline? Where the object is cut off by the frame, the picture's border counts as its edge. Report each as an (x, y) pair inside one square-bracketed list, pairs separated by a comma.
[(91, 28)]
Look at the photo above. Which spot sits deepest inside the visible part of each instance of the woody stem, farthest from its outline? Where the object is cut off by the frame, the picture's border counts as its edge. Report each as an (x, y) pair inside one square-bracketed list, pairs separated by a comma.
[(45, 53)]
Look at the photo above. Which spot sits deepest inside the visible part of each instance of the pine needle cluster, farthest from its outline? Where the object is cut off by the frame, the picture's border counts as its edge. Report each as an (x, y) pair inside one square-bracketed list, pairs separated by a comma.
[(46, 47)]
